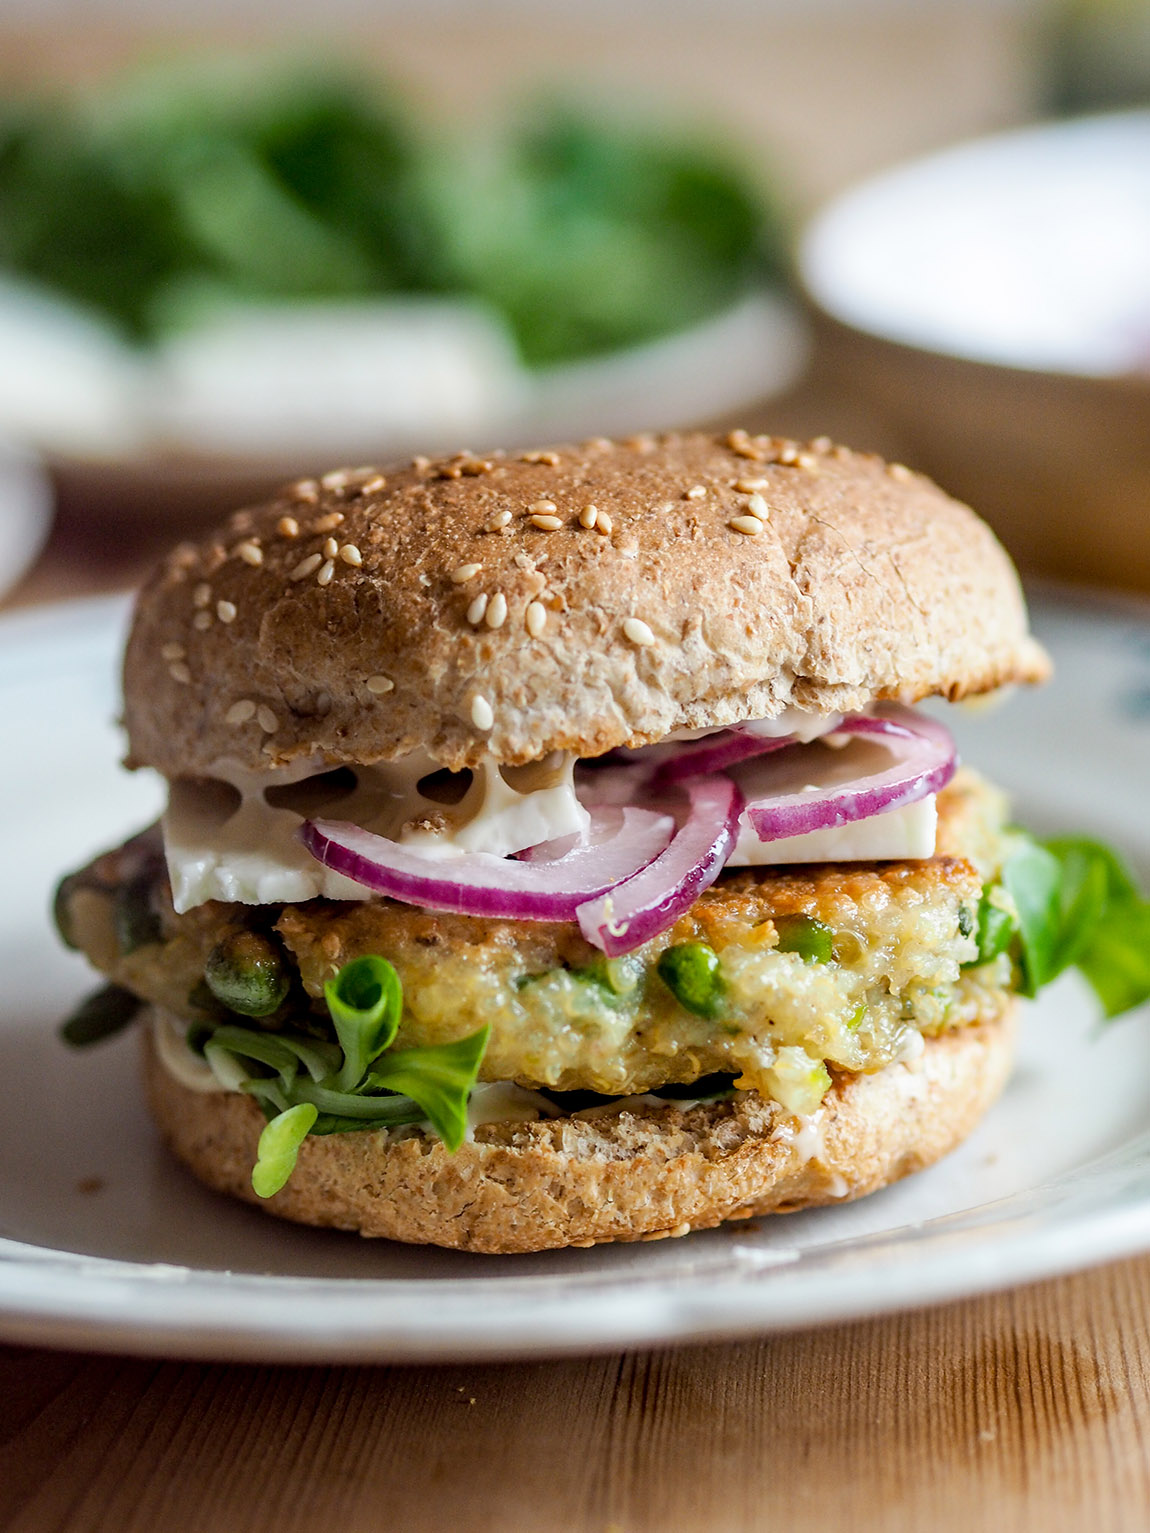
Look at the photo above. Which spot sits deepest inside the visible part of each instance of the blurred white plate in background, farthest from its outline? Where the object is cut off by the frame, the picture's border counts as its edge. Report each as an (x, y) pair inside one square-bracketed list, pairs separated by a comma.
[(1031, 250), (357, 382), (25, 512)]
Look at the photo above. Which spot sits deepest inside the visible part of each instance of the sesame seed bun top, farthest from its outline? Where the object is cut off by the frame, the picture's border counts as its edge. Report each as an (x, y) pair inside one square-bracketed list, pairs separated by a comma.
[(578, 598)]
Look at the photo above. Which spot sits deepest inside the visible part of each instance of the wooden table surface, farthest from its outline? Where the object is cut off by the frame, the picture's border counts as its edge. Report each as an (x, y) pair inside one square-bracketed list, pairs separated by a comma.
[(1027, 1411)]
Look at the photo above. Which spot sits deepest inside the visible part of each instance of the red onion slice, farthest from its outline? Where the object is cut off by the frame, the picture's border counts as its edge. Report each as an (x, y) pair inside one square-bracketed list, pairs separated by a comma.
[(620, 843), (714, 753), (925, 761), (652, 900)]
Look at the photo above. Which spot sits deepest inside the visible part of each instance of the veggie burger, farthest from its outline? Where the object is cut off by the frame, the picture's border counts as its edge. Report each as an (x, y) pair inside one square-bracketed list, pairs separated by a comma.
[(554, 854)]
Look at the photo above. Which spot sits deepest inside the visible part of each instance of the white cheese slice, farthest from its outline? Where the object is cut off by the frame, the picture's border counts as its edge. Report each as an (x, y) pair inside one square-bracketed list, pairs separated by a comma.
[(225, 841), (908, 832)]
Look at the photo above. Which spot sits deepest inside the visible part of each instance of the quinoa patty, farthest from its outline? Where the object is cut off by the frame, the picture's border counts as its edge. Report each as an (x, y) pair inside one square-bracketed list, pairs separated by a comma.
[(833, 965)]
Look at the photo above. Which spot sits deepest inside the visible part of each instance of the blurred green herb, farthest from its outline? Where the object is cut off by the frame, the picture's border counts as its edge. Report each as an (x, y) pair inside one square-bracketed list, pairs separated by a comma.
[(159, 196)]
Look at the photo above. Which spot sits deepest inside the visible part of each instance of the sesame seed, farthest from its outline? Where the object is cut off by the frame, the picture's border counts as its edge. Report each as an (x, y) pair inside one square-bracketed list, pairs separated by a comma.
[(172, 651), (202, 595), (807, 460), (266, 719), (463, 572), (377, 482), (543, 505), (226, 611), (179, 672), (336, 480), (241, 712), (550, 458), (546, 523), (482, 713), (638, 632), (696, 492), (306, 490), (496, 614), (327, 570), (899, 471), (477, 466), (588, 516), (604, 524), (747, 524), (287, 527), (535, 618), (742, 446), (350, 554), (757, 506), (821, 443), (379, 685), (500, 519), (330, 548), (420, 464), (250, 553), (749, 486), (202, 620), (641, 442), (477, 609), (789, 454), (306, 567), (327, 523)]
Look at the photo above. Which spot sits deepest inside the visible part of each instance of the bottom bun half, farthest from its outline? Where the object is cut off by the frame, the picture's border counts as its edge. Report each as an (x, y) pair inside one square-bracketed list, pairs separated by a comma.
[(629, 1176)]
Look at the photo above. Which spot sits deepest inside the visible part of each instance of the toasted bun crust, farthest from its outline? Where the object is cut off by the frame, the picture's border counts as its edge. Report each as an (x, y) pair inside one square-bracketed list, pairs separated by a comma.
[(335, 621), (630, 1176)]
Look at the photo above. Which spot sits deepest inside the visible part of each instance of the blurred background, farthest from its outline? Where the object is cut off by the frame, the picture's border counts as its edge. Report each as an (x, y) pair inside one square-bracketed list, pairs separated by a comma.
[(240, 243)]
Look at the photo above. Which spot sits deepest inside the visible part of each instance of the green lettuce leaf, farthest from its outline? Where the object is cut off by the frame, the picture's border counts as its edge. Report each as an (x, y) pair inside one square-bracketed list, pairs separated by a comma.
[(1078, 905)]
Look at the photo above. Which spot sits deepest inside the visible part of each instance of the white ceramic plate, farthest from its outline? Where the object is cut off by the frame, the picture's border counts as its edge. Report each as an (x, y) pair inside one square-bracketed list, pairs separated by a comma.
[(105, 1242), (1028, 249)]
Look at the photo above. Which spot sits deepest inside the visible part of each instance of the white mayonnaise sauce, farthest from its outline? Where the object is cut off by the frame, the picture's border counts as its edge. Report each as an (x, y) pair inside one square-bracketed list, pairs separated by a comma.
[(225, 841)]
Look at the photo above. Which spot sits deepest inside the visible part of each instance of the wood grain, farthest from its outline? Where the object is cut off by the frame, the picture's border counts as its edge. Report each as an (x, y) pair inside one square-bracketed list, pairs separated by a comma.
[(1019, 1412)]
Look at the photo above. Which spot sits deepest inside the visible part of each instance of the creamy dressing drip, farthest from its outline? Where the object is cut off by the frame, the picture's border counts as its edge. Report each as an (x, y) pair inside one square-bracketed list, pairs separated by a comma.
[(224, 840), (234, 837)]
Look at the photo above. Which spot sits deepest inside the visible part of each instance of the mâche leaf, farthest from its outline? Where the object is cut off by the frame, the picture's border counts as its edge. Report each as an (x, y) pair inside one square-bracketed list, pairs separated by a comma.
[(365, 1000), (439, 1078), (316, 1087), (279, 1147)]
